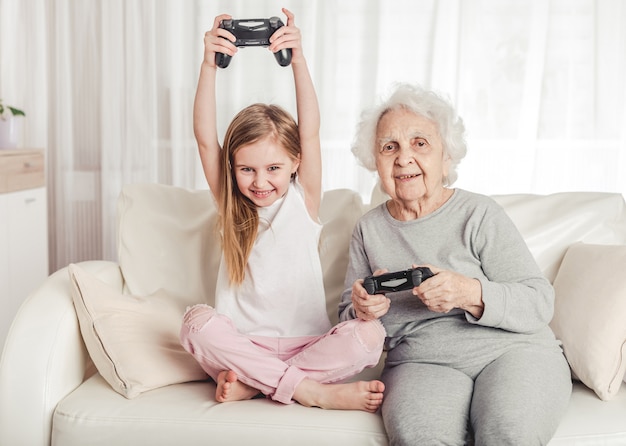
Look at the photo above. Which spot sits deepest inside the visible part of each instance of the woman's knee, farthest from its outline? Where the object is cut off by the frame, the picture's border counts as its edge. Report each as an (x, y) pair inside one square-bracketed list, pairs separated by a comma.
[(521, 397), (426, 404)]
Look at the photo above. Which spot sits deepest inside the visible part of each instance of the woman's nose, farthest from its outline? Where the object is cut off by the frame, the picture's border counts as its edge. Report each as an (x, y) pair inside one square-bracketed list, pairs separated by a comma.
[(404, 155)]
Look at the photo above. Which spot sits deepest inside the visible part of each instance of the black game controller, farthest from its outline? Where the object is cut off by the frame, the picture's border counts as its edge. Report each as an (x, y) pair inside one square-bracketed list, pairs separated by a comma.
[(397, 281), (253, 32)]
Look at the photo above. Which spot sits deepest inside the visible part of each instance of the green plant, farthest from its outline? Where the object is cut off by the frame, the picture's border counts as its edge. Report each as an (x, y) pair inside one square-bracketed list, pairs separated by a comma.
[(14, 111)]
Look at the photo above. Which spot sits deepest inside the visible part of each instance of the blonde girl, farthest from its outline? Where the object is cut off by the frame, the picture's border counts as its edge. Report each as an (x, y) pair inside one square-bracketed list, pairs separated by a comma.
[(269, 332)]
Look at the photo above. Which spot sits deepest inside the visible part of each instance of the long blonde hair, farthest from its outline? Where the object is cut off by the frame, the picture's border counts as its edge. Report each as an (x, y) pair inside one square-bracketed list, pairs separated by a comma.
[(239, 219)]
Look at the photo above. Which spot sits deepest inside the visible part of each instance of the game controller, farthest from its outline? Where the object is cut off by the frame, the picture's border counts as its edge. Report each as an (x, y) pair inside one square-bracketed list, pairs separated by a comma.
[(396, 281), (253, 32)]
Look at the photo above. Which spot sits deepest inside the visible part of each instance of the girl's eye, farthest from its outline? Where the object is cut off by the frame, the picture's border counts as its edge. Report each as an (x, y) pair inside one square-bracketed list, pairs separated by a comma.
[(273, 168), (246, 169)]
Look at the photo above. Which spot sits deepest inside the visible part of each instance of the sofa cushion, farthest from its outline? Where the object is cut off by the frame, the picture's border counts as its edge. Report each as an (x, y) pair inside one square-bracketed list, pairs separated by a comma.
[(187, 414), (590, 315), (167, 241), (132, 340), (551, 223)]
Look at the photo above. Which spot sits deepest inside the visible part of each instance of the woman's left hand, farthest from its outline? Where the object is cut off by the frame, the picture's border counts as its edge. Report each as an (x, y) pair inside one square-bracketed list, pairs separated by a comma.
[(447, 290)]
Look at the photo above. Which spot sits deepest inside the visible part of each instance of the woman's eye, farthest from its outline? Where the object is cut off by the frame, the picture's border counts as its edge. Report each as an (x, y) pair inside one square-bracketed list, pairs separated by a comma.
[(418, 143), (388, 148)]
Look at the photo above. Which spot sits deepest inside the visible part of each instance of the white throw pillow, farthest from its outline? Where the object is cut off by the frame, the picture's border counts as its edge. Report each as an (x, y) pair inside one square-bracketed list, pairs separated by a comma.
[(132, 340), (167, 240), (590, 314)]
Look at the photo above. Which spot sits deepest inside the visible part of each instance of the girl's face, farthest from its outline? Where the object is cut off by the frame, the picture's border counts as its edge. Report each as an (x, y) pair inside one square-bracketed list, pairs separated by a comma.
[(263, 171)]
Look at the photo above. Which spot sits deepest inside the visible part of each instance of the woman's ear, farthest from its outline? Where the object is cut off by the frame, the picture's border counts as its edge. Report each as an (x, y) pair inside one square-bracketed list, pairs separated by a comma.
[(447, 163)]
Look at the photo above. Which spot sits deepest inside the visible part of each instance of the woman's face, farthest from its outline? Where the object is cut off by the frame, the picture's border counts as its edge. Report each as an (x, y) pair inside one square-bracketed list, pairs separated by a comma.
[(409, 157)]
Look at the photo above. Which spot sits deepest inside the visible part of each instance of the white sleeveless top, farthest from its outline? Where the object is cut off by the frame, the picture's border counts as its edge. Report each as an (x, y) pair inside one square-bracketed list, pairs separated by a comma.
[(282, 294)]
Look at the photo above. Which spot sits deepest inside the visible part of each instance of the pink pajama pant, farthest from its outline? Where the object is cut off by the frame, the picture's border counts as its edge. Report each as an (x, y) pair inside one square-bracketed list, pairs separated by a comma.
[(275, 366)]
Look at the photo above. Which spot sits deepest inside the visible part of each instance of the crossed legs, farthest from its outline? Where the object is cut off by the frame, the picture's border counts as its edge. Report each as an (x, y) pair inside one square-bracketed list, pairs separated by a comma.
[(300, 369)]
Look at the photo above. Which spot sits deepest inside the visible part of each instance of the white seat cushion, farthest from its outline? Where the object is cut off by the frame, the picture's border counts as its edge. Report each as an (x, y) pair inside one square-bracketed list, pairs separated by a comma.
[(187, 414), (589, 421)]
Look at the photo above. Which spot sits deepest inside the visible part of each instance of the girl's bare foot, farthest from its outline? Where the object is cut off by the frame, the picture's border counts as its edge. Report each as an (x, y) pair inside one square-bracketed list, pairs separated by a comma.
[(229, 388), (360, 395)]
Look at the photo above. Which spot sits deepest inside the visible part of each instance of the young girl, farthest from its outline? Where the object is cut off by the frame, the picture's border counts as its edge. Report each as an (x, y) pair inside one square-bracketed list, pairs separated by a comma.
[(269, 332)]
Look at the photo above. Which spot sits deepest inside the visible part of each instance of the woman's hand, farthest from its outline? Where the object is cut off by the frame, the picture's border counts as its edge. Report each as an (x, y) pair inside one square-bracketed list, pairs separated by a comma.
[(288, 36), (447, 290), (369, 307), (218, 40)]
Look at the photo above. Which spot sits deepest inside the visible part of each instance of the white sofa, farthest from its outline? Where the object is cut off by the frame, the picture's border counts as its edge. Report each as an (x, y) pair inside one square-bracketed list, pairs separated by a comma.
[(51, 393)]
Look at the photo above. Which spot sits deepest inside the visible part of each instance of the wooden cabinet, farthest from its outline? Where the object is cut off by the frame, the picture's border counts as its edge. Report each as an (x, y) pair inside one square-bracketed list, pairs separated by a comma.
[(23, 230)]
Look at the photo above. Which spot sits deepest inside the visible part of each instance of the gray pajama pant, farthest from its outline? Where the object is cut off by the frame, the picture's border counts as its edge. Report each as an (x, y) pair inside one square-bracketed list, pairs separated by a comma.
[(455, 385)]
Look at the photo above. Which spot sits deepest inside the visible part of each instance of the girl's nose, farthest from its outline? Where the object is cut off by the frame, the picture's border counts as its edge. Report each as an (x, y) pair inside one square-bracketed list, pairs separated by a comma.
[(259, 180)]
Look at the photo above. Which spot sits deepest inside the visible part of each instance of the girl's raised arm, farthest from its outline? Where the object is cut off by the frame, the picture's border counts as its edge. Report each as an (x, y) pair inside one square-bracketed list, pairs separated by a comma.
[(310, 170), (204, 108)]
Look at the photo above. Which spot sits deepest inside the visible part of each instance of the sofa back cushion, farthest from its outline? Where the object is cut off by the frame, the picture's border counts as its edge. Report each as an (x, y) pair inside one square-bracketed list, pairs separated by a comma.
[(167, 241), (550, 224), (339, 213)]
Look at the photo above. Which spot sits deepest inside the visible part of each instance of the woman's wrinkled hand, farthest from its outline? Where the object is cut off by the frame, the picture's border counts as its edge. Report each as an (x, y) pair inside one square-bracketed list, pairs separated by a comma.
[(447, 290), (369, 307)]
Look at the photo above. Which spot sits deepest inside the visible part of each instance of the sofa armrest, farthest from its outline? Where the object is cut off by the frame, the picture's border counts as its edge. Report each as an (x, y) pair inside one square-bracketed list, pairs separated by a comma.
[(44, 357)]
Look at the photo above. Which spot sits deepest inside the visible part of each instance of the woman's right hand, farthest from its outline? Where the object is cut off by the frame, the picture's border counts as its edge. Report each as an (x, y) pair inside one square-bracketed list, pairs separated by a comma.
[(366, 306), (218, 40)]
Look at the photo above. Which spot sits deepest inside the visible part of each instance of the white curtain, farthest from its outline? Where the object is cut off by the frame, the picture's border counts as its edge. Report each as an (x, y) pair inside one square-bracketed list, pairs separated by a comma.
[(108, 86)]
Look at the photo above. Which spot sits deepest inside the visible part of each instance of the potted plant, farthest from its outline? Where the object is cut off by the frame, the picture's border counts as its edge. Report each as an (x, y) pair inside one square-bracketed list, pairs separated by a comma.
[(10, 126)]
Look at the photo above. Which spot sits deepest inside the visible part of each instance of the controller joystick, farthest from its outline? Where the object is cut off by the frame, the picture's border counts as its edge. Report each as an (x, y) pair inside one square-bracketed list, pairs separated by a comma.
[(253, 32), (396, 281)]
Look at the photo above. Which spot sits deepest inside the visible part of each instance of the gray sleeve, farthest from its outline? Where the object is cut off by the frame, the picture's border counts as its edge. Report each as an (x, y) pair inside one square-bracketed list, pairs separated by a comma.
[(516, 295), (358, 268)]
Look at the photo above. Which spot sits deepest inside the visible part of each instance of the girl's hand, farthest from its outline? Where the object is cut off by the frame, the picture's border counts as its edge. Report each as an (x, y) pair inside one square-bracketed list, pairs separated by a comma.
[(369, 307), (447, 290), (218, 40), (288, 36)]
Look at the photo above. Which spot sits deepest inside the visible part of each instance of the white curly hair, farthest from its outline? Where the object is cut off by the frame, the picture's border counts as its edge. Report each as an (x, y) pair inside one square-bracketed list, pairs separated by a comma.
[(422, 102)]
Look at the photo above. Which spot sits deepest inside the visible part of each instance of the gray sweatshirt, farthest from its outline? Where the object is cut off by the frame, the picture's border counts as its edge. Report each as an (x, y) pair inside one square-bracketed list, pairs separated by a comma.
[(471, 235)]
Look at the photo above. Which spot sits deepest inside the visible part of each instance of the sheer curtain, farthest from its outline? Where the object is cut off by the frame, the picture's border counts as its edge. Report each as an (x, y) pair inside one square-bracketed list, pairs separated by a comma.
[(108, 89)]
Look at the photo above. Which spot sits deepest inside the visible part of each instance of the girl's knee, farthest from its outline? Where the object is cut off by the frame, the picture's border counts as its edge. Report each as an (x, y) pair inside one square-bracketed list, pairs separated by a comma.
[(371, 334), (193, 332), (197, 316)]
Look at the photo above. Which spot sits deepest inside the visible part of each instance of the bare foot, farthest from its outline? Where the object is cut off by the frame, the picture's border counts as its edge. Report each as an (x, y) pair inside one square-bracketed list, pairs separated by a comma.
[(360, 395), (229, 388)]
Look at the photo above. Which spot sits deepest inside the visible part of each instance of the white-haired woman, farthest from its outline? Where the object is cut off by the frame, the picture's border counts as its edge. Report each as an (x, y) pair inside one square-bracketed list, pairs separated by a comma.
[(470, 355)]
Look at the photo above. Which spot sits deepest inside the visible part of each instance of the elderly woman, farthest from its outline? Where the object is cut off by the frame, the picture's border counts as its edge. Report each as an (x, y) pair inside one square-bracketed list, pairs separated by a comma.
[(470, 354)]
